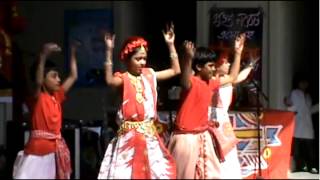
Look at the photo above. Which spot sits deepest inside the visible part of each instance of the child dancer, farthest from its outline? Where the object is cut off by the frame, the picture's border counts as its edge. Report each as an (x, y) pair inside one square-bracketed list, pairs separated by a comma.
[(46, 155), (138, 152)]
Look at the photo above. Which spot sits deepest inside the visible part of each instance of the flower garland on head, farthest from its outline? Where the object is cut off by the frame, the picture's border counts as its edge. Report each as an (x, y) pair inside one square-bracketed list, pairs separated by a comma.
[(131, 44), (222, 58)]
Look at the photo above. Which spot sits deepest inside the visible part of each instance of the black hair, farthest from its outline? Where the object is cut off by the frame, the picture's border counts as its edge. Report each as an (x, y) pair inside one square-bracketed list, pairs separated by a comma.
[(49, 66), (299, 77), (202, 56)]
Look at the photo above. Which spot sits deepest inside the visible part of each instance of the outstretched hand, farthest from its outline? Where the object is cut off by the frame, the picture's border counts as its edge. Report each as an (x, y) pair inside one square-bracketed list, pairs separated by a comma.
[(50, 47), (109, 40), (168, 34), (75, 44), (239, 43), (253, 59)]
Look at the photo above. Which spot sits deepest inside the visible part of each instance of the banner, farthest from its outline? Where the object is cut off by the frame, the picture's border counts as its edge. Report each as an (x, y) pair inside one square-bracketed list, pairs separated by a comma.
[(276, 131), (88, 27)]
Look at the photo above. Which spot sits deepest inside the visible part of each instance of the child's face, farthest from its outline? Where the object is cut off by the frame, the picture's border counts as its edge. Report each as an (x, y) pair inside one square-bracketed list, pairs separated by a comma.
[(137, 62), (207, 71), (224, 68), (52, 81)]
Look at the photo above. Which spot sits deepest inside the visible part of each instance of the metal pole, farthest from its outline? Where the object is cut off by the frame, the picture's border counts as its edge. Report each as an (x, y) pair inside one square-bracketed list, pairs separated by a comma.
[(77, 153), (259, 138)]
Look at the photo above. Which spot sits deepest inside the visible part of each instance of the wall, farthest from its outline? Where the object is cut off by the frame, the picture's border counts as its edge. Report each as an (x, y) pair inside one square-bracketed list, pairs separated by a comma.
[(281, 51), (291, 38)]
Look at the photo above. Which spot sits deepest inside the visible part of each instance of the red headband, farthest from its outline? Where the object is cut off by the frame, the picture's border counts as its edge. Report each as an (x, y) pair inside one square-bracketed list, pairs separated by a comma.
[(130, 45), (223, 57)]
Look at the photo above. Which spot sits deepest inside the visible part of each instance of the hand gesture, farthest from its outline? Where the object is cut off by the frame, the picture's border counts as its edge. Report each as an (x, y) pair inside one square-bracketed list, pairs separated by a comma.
[(168, 34), (50, 47), (253, 59), (109, 40), (239, 43), (75, 44), (189, 49)]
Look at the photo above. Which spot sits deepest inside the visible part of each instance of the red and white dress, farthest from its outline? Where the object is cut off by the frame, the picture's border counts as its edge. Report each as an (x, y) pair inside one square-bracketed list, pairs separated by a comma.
[(230, 168), (137, 152)]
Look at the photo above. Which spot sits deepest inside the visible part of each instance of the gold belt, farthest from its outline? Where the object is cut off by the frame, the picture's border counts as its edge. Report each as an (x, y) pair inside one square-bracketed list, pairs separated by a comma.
[(145, 127)]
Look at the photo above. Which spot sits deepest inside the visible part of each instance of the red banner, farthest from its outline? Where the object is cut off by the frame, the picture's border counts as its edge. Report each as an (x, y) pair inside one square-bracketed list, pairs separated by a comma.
[(276, 131)]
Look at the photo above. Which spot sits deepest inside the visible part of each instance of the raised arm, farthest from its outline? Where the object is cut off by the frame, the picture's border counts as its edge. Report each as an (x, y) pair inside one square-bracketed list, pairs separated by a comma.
[(169, 37), (243, 74), (246, 71), (73, 75), (110, 79), (188, 49), (235, 68), (47, 50)]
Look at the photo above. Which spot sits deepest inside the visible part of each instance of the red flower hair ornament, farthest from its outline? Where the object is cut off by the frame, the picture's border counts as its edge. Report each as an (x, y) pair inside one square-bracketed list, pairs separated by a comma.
[(222, 58), (131, 45)]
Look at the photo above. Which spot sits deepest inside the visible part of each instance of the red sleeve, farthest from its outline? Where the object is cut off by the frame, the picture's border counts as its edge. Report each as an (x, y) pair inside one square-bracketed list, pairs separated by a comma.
[(60, 95), (215, 84)]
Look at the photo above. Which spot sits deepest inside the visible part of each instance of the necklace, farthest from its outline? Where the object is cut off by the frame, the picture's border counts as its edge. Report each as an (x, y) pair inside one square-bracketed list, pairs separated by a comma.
[(136, 82)]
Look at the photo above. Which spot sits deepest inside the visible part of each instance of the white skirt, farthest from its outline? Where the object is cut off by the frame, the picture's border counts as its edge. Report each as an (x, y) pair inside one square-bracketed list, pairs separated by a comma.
[(27, 166), (231, 163), (117, 161), (230, 168)]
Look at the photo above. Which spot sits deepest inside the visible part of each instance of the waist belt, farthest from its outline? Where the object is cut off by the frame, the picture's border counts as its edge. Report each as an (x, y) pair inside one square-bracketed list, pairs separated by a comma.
[(145, 127)]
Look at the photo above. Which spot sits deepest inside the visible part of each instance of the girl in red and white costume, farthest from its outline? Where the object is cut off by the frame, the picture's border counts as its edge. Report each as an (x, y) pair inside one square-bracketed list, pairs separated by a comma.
[(219, 113), (138, 152)]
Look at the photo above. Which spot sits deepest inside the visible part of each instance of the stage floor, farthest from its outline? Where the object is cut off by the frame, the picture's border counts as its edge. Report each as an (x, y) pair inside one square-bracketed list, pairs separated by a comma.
[(302, 175)]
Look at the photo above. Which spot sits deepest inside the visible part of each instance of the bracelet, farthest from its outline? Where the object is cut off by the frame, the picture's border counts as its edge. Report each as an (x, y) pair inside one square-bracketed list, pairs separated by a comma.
[(174, 55), (108, 63), (251, 64)]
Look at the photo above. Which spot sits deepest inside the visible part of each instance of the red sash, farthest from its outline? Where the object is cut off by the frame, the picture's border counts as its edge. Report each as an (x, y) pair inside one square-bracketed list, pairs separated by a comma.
[(62, 153)]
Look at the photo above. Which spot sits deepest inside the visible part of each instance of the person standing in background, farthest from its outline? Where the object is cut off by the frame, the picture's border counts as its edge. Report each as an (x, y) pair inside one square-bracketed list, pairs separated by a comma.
[(300, 102)]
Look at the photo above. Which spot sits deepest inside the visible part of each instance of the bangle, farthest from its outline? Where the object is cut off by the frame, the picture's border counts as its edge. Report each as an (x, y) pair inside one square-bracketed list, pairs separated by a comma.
[(108, 63), (173, 55)]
